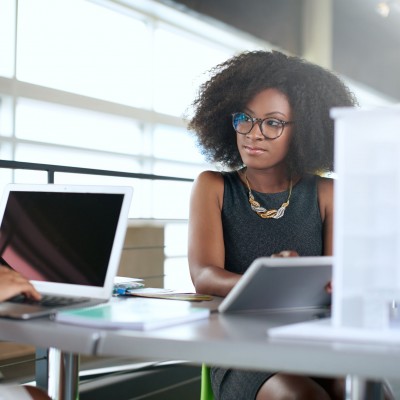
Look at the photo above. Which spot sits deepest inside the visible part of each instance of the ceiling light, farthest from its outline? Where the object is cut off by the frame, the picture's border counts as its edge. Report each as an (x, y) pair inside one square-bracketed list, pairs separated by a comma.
[(383, 9)]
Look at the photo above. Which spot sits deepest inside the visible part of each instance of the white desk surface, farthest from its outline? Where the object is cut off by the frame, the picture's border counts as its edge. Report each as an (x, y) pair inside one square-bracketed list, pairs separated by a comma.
[(238, 341), (44, 333)]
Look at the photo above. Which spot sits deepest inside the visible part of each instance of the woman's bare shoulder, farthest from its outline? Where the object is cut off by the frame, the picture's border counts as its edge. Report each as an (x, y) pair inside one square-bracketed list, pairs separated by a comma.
[(209, 185), (213, 179), (210, 176)]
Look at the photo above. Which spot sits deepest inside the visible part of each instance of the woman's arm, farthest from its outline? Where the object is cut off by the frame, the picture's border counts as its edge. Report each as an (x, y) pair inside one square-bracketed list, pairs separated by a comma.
[(206, 242), (325, 200)]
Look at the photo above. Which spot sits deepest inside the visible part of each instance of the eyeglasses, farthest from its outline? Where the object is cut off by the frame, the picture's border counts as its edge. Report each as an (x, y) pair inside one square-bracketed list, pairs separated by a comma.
[(271, 128)]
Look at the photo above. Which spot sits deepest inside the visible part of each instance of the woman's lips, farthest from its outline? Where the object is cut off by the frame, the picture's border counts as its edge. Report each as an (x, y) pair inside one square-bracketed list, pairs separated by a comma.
[(254, 150)]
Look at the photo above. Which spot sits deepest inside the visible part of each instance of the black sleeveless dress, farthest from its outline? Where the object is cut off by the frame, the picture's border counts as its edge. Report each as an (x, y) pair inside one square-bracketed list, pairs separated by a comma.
[(247, 236)]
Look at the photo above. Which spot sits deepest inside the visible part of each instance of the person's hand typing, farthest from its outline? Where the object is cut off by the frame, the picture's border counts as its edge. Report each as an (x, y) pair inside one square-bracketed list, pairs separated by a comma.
[(12, 283)]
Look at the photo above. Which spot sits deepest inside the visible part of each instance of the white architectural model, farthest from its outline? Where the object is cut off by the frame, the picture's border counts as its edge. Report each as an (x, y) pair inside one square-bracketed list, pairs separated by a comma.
[(366, 277)]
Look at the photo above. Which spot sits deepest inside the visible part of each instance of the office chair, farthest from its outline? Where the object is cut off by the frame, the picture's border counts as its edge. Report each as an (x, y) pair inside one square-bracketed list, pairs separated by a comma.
[(206, 392)]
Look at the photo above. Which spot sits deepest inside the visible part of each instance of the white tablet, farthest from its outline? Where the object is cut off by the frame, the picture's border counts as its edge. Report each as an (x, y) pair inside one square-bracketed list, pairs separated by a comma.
[(288, 283)]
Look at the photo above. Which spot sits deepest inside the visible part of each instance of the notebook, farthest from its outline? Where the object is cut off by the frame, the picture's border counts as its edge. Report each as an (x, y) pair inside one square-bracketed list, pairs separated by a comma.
[(66, 239), (278, 284), (136, 314)]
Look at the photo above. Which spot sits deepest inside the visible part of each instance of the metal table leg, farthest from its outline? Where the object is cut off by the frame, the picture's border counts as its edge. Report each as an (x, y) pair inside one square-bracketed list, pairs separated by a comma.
[(63, 375), (361, 389)]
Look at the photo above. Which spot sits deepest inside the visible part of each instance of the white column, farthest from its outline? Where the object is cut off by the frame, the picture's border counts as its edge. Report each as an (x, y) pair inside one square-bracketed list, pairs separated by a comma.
[(317, 32)]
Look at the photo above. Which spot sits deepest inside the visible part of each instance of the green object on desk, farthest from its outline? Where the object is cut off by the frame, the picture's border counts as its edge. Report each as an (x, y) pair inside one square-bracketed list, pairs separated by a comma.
[(206, 388), (135, 314)]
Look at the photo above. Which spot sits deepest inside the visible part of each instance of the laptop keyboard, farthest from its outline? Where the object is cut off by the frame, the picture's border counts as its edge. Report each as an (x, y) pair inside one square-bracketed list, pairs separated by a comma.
[(48, 301)]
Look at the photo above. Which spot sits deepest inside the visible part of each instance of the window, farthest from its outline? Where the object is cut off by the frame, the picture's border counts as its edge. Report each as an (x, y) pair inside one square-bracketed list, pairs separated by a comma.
[(7, 37), (104, 98), (69, 48), (181, 61), (74, 127), (105, 85)]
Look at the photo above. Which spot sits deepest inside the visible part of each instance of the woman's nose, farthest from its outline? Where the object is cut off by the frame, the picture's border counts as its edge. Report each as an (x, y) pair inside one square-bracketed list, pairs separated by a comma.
[(256, 131)]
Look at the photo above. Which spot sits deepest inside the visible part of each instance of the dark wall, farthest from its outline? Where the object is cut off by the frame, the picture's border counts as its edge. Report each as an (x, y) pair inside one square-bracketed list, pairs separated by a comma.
[(366, 46), (279, 23)]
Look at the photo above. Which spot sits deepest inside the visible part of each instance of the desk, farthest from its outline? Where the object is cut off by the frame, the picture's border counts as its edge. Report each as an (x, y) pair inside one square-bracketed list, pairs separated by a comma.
[(238, 341), (241, 342), (64, 342)]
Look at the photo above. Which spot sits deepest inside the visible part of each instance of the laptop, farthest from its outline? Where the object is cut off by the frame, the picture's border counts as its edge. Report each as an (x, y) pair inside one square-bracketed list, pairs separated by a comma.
[(282, 284), (66, 239)]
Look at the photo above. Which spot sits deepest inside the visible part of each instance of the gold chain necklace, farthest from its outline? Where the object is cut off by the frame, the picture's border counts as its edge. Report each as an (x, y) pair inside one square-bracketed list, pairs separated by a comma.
[(263, 212)]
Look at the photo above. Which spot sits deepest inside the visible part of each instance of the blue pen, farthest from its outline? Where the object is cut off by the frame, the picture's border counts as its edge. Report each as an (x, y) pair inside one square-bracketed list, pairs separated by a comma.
[(121, 291), (122, 288)]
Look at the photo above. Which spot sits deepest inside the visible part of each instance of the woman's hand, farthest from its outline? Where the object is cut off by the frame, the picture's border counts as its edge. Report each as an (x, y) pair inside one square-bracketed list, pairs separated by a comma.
[(12, 283), (328, 287), (286, 253), (293, 253)]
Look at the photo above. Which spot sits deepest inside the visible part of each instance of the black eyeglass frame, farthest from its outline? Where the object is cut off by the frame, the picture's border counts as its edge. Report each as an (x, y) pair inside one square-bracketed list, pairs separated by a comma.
[(260, 121)]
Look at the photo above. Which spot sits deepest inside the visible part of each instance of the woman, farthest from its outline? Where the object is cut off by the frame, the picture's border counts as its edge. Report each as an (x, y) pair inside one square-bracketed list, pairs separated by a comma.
[(11, 284), (265, 117)]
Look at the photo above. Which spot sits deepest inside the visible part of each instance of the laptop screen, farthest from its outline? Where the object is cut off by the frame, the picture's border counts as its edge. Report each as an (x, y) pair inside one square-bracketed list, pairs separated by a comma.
[(60, 237)]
